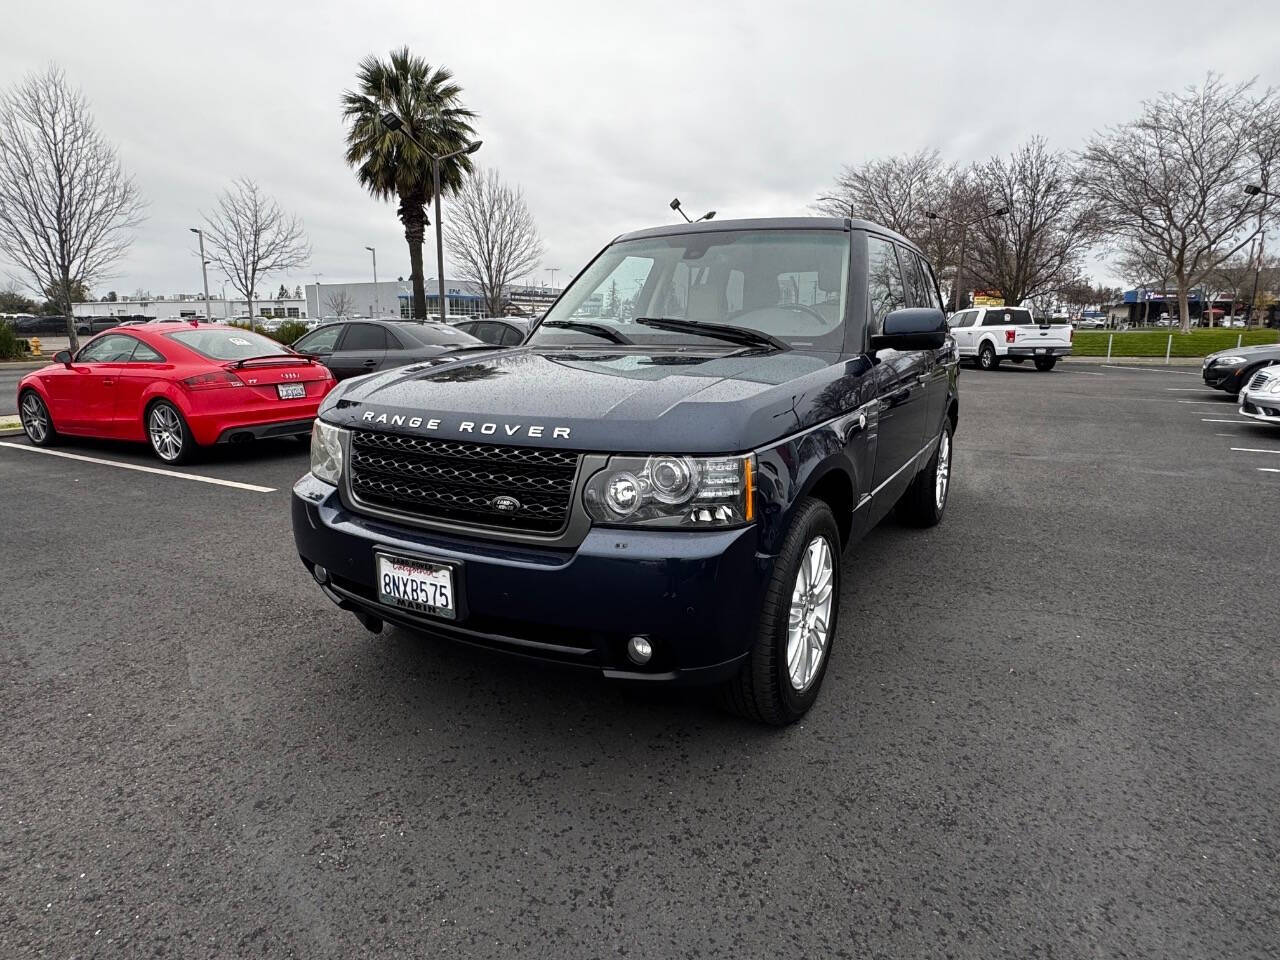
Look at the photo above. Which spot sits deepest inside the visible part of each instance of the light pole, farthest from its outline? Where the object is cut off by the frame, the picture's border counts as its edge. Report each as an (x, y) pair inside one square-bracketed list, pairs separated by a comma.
[(675, 205), (1253, 190), (964, 231), (394, 123), (377, 300), (553, 271), (838, 200), (204, 272), (318, 276)]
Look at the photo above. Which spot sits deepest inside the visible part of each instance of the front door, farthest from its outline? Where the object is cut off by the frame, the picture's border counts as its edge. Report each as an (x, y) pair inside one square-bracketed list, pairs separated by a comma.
[(90, 405), (361, 350)]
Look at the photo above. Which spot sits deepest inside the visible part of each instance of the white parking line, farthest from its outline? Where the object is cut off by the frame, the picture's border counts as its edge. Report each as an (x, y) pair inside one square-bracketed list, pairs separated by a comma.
[(1269, 469), (253, 487), (1187, 389), (1212, 420), (1253, 450), (1183, 373)]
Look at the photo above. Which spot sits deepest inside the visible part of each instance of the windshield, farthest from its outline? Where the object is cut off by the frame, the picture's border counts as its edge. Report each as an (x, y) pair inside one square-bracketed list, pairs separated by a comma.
[(228, 344), (790, 284)]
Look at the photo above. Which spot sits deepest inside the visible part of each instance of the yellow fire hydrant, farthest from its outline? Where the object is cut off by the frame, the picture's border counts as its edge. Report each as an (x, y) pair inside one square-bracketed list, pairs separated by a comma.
[(35, 346)]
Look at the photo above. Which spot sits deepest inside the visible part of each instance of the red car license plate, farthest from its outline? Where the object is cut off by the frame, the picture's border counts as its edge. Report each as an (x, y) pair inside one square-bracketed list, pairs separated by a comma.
[(291, 391)]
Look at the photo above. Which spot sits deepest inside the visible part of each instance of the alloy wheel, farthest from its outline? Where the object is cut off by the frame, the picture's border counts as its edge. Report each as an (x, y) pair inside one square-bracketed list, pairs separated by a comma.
[(809, 622), (166, 432), (943, 473), (35, 418)]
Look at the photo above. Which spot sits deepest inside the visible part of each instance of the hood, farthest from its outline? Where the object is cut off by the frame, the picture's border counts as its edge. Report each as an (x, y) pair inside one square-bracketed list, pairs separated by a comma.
[(1262, 352), (623, 400)]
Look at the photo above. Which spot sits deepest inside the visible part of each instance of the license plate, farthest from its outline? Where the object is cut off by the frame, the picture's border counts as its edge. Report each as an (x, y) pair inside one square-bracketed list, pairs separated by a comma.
[(291, 391), (417, 585), (1042, 350)]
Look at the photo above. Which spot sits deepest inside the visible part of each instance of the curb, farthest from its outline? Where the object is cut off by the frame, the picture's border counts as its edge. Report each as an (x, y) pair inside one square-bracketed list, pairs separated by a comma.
[(1138, 361), (25, 364)]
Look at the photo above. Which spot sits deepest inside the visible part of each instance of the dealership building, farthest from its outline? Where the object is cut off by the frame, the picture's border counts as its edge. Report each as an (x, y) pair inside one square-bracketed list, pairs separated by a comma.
[(394, 298)]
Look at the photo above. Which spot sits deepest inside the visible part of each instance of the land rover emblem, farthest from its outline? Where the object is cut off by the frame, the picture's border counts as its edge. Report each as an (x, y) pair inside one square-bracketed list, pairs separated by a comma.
[(505, 504)]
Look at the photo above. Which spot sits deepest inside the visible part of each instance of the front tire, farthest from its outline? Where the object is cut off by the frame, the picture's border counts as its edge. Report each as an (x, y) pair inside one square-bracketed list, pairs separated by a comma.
[(987, 358), (925, 501), (780, 679), (168, 433), (37, 422), (1045, 364)]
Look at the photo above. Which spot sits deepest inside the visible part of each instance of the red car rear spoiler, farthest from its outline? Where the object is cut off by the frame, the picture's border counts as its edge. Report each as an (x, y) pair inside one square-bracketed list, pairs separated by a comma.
[(270, 358)]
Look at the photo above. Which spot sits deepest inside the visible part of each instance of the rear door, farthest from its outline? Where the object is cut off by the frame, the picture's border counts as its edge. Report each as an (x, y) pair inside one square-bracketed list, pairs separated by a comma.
[(361, 349), (934, 375), (962, 330)]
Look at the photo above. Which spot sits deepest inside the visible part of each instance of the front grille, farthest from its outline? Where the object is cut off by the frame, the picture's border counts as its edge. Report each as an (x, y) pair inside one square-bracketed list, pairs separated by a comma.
[(1259, 378), (456, 481)]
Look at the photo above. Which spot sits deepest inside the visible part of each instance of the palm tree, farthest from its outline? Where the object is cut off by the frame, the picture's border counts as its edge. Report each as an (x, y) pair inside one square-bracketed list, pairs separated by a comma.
[(387, 163)]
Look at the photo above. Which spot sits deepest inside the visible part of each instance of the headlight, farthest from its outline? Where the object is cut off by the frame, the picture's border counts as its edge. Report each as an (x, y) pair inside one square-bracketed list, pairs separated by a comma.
[(665, 491), (1232, 361), (1272, 385), (326, 451)]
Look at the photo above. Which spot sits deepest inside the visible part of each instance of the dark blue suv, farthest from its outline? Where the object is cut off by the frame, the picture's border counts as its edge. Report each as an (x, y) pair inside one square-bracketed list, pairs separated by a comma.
[(659, 484)]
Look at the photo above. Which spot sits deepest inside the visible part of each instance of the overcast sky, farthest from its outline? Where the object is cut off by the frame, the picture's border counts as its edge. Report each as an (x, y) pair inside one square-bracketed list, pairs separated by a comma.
[(601, 112)]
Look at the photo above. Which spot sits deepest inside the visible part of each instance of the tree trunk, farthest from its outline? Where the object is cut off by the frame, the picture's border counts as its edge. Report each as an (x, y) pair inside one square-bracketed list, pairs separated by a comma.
[(413, 214), (65, 302), (1184, 306)]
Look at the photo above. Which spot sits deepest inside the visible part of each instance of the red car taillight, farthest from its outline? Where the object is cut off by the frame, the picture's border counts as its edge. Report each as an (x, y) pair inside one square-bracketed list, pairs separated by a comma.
[(212, 381), (1010, 336)]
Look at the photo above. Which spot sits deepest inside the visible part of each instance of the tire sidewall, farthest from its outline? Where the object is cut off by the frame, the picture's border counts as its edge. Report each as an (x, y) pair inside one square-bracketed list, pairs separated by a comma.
[(816, 521), (987, 357)]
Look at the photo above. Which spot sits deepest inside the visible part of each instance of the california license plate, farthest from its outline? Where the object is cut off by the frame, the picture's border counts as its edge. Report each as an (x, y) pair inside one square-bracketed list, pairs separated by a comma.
[(1042, 350), (291, 391), (417, 585)]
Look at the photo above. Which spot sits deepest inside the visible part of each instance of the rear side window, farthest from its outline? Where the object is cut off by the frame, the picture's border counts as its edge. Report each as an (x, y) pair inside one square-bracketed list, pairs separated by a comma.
[(364, 336), (144, 354), (884, 282), (917, 295), (931, 296), (228, 344), (437, 334), (1007, 316)]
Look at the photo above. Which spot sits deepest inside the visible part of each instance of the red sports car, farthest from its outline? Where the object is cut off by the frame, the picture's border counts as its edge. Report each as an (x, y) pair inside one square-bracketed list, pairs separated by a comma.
[(177, 387)]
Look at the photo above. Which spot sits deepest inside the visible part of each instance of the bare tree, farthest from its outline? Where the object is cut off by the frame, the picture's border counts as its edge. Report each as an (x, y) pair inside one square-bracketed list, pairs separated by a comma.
[(1146, 267), (1039, 244), (339, 303), (900, 192), (1171, 182), (250, 238), (67, 208), (492, 237)]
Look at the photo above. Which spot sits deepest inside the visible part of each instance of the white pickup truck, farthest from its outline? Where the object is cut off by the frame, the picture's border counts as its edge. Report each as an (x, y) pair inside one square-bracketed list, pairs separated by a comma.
[(988, 335)]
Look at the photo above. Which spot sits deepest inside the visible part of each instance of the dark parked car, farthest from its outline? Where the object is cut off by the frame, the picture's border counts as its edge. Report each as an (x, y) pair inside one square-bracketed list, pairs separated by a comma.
[(1231, 370), (658, 498), (38, 326), (501, 332), (352, 348), (89, 325)]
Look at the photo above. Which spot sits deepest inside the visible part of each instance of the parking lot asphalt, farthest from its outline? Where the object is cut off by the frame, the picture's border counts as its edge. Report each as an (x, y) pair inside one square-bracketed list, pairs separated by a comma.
[(1048, 730)]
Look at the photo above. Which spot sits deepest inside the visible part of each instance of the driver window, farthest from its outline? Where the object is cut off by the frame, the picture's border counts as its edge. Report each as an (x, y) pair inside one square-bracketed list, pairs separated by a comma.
[(884, 282), (113, 348)]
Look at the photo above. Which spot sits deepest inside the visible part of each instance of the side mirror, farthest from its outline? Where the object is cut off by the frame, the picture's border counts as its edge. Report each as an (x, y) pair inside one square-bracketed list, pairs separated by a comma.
[(912, 328), (63, 357)]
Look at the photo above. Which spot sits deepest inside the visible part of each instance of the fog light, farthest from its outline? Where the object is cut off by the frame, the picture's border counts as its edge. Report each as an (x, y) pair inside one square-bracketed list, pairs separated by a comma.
[(640, 650), (321, 574)]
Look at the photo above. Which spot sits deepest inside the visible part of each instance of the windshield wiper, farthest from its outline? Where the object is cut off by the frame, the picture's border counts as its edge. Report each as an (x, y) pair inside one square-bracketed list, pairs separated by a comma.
[(743, 335), (599, 329)]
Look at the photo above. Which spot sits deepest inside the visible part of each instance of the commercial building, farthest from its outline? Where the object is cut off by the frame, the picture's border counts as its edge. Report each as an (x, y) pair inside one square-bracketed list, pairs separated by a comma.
[(191, 305), (394, 298)]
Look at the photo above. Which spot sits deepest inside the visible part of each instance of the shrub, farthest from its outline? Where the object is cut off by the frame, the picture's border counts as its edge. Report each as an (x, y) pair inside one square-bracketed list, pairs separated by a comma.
[(288, 332), (9, 346)]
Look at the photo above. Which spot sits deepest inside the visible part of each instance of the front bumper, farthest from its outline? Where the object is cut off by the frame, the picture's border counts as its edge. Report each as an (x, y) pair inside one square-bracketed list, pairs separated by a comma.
[(1260, 406), (1230, 379), (1039, 351), (695, 596)]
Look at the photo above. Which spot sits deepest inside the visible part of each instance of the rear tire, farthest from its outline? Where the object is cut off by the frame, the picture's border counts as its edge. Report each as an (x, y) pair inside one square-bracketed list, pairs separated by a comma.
[(987, 358), (168, 433), (37, 422), (925, 501), (779, 680), (1046, 363)]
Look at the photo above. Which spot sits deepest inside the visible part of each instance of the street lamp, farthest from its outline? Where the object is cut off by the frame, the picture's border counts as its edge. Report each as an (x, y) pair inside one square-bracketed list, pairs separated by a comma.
[(395, 124), (377, 300), (675, 205), (553, 271), (838, 200), (1253, 190), (317, 313), (964, 226), (204, 272)]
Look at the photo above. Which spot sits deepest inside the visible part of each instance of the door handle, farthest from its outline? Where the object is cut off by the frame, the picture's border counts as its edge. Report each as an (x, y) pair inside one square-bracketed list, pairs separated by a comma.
[(899, 396), (370, 363), (107, 381)]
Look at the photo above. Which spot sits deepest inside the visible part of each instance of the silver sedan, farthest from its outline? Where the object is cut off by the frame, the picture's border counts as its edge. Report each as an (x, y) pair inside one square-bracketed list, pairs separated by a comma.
[(1260, 398)]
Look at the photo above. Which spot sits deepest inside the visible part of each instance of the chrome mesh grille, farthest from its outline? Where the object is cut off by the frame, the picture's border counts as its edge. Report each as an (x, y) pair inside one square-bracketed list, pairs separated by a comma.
[(457, 481)]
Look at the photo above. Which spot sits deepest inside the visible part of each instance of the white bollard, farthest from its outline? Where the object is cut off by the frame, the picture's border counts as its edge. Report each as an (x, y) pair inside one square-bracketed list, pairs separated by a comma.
[(1239, 340), (1110, 337), (1168, 349)]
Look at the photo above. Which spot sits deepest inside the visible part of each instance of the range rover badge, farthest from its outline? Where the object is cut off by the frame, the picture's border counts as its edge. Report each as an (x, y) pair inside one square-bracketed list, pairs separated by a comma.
[(505, 504)]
